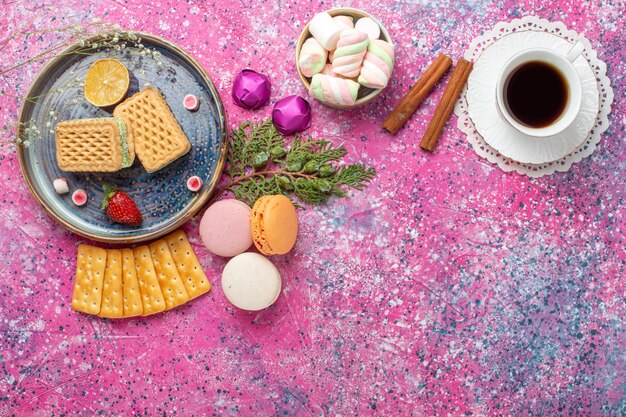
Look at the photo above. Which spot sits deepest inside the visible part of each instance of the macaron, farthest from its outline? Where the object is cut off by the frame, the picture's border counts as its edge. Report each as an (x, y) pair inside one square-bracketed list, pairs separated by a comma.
[(225, 228), (274, 225), (251, 281)]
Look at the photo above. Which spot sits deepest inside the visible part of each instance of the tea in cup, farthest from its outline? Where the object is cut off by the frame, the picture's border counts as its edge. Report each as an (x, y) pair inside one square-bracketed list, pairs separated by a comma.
[(539, 91)]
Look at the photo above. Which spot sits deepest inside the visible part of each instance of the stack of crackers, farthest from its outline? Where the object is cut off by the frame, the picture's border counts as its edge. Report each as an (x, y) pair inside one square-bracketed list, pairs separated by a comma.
[(118, 283)]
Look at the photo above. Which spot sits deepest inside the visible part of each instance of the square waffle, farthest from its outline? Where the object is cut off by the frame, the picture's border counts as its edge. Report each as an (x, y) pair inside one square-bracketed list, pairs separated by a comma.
[(157, 136), (89, 145)]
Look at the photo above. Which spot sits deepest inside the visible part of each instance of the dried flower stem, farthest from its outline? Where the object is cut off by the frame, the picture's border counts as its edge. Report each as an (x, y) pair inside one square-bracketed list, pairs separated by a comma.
[(92, 38)]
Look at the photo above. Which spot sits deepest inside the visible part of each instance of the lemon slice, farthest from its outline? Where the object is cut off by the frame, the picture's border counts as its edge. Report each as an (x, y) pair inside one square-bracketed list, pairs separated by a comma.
[(106, 82)]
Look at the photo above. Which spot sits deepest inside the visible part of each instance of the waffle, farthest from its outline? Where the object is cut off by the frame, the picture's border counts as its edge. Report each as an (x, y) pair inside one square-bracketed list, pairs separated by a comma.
[(157, 136), (91, 145)]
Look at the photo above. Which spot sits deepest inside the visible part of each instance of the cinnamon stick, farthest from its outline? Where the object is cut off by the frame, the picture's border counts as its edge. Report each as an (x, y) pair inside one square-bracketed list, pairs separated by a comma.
[(444, 108), (407, 106)]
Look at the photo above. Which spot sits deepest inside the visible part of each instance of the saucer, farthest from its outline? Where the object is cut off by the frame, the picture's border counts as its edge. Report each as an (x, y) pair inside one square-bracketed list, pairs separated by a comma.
[(508, 141)]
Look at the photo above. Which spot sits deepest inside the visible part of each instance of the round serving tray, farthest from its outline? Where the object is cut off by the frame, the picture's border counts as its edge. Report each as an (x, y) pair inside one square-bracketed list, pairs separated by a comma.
[(162, 197)]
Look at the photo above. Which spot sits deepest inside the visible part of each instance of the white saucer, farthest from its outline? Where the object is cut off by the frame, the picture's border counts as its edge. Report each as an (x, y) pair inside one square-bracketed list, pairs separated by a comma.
[(481, 100)]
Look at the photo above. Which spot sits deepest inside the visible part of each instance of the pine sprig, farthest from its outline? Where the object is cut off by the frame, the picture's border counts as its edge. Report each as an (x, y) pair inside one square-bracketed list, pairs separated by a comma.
[(237, 151), (352, 176), (320, 151), (248, 191), (264, 138), (259, 163)]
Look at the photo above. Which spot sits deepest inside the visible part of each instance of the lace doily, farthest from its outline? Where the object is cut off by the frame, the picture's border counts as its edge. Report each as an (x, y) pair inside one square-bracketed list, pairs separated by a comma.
[(479, 44)]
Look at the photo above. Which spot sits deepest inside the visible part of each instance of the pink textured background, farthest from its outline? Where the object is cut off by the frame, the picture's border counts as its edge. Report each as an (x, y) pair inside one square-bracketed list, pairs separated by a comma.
[(446, 288)]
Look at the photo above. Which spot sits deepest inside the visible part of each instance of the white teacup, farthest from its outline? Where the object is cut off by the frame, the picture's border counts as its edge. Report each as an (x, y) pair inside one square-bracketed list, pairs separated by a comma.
[(563, 63)]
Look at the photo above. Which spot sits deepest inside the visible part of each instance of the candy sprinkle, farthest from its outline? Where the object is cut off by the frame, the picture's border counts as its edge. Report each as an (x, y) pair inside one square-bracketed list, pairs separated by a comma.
[(194, 183), (79, 197), (191, 102)]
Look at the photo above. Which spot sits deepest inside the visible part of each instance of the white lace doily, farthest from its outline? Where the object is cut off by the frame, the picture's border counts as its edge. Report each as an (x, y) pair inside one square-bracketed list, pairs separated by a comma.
[(479, 44)]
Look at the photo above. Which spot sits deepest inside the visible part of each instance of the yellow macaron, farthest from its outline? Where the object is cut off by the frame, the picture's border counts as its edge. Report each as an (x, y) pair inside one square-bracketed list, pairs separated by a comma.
[(274, 225)]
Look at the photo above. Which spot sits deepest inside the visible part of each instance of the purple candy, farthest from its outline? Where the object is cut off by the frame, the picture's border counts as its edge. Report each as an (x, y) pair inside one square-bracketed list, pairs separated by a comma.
[(291, 114), (251, 90)]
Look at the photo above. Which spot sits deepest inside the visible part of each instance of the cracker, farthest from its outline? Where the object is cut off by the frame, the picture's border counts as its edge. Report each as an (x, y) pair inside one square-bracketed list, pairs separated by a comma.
[(151, 125), (90, 266), (190, 270), (151, 295), (112, 298), (130, 286), (171, 284)]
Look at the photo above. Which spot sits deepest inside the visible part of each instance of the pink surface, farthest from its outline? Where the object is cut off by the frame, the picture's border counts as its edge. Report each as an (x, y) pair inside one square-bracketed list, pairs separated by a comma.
[(447, 287)]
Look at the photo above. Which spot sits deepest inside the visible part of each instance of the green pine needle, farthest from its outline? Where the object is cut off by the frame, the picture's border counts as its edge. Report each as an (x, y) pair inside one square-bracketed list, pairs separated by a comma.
[(259, 163)]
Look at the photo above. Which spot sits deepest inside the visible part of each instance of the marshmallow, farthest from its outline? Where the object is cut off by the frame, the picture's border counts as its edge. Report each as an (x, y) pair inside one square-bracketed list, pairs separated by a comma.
[(350, 51), (325, 30), (60, 186), (79, 197), (346, 22), (328, 70), (368, 26), (191, 102), (377, 65), (312, 57), (334, 90), (194, 183)]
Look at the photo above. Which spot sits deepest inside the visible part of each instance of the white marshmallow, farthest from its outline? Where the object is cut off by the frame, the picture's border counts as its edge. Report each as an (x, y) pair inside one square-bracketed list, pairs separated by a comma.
[(325, 30), (368, 26), (60, 186)]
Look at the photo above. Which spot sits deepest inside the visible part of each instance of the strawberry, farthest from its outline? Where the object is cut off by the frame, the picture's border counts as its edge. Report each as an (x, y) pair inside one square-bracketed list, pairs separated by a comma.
[(120, 207)]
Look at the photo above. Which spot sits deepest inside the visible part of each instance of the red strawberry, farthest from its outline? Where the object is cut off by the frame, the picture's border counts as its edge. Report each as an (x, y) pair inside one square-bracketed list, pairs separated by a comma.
[(120, 207)]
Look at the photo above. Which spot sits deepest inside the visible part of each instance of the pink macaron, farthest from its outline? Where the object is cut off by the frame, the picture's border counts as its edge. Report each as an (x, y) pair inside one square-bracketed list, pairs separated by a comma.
[(225, 228)]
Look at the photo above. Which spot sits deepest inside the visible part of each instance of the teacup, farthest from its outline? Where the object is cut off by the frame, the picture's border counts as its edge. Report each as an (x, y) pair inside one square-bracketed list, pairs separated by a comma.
[(539, 91)]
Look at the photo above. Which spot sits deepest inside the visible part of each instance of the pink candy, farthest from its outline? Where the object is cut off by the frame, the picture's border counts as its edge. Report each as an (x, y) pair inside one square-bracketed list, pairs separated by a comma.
[(191, 102), (79, 197), (194, 183)]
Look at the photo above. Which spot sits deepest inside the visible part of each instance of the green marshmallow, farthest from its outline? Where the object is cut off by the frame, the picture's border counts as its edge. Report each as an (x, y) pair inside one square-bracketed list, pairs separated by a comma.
[(352, 49), (381, 53)]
